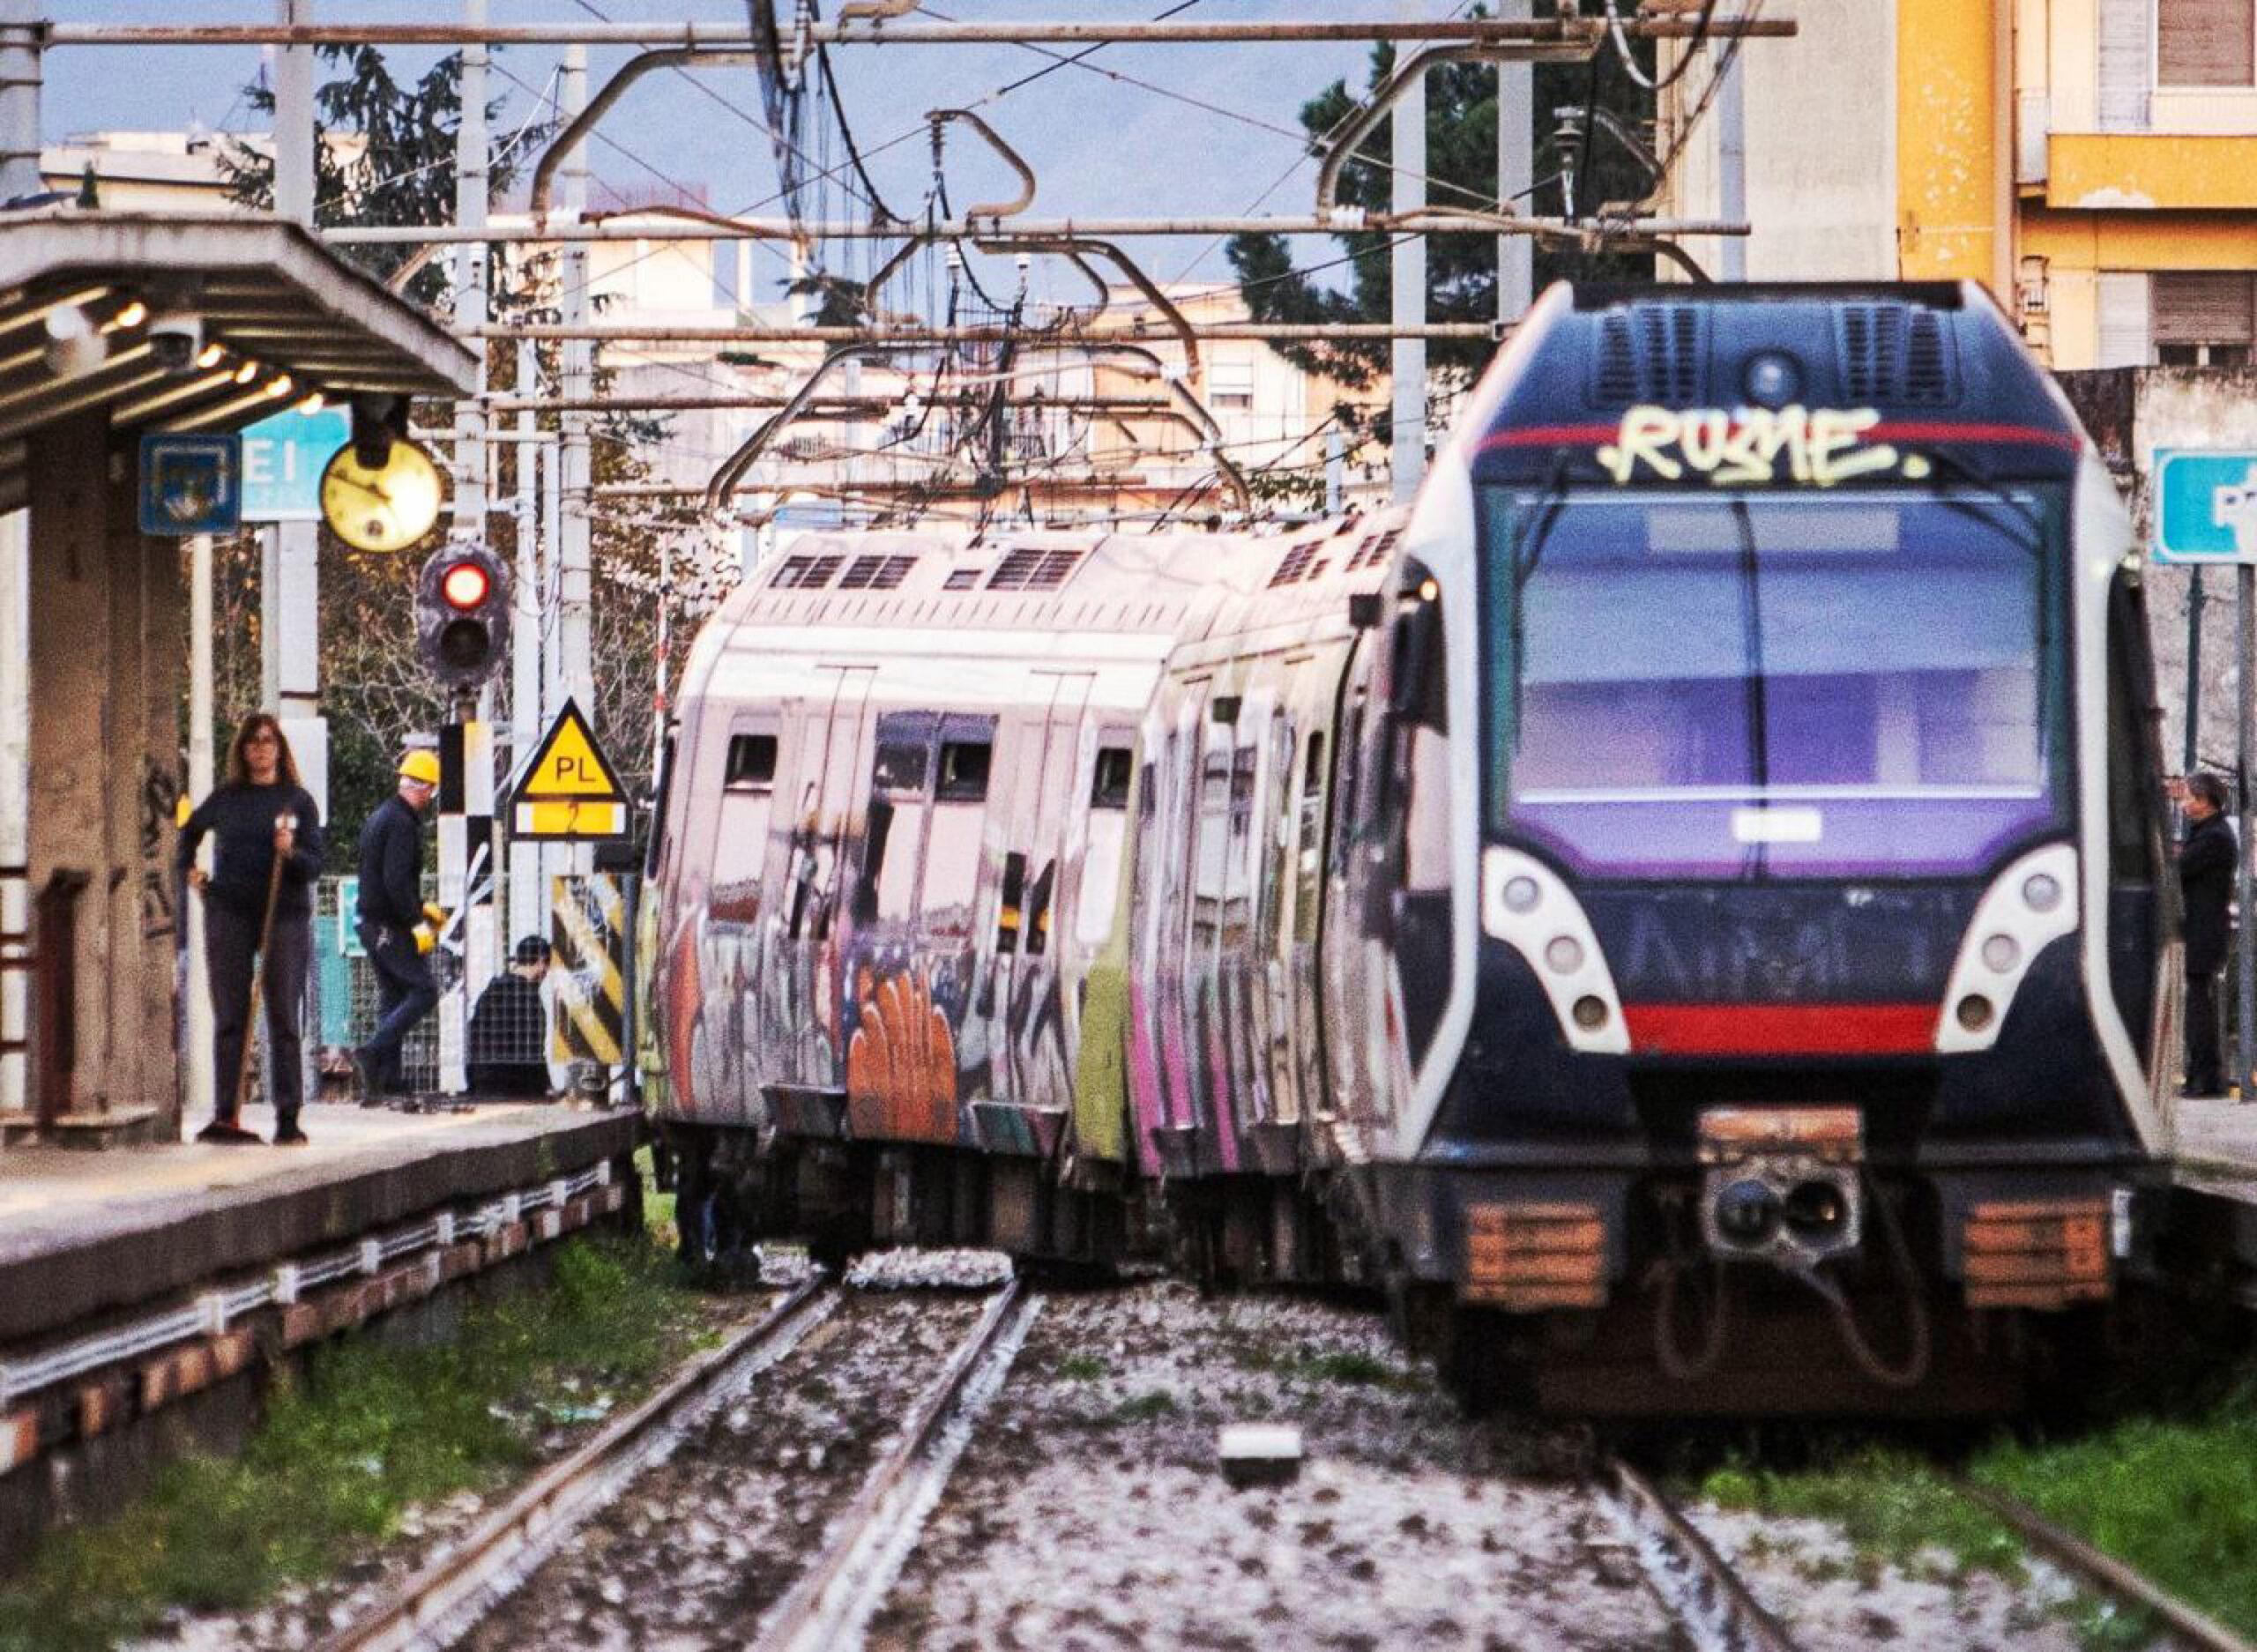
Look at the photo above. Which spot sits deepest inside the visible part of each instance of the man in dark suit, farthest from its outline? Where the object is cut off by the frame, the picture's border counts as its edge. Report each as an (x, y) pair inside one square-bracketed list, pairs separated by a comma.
[(2206, 879)]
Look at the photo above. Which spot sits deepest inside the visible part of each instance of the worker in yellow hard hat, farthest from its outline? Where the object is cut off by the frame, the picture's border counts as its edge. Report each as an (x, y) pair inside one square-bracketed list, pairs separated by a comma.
[(391, 910)]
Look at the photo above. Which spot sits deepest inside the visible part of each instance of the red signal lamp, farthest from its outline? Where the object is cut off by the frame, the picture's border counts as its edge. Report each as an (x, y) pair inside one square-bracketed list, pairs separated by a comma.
[(465, 586)]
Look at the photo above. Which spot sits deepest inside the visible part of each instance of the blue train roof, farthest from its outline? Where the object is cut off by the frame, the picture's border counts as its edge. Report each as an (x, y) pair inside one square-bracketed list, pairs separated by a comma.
[(1754, 385)]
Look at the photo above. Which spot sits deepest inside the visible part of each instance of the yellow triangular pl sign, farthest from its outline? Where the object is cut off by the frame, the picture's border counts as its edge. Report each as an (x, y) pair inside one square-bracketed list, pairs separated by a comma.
[(570, 789)]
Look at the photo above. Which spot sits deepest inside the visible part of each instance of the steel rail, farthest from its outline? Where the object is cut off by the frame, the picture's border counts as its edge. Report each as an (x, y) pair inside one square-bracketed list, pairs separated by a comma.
[(510, 228), (724, 36), (808, 1614), (1743, 1618), (2106, 1573), (555, 1499)]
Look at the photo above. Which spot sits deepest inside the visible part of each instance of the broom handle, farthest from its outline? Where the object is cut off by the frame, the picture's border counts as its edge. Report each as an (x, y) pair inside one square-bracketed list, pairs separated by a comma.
[(257, 981)]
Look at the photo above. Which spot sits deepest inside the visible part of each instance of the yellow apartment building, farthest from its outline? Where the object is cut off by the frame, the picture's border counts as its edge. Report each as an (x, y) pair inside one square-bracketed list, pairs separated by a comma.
[(2093, 161)]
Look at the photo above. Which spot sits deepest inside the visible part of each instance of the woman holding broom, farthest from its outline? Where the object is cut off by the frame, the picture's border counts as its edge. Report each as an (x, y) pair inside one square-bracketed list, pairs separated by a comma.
[(257, 920)]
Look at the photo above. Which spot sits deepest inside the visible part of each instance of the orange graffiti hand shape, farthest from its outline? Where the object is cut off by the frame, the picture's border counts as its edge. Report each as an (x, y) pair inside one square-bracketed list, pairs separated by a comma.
[(903, 1059)]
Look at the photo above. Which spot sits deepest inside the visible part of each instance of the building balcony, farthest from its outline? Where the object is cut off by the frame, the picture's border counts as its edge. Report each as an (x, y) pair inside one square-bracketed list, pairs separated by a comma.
[(2151, 171)]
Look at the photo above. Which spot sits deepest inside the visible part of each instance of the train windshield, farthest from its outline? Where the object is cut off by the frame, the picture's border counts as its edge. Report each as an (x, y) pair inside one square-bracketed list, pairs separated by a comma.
[(1752, 685)]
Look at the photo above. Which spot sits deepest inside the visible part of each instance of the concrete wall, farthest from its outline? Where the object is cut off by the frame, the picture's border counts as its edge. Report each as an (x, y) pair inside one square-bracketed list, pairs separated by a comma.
[(106, 626), (2131, 412), (1822, 148)]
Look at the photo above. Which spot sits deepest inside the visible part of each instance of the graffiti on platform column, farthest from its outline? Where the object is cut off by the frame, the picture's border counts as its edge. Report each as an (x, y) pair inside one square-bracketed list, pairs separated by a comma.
[(160, 802)]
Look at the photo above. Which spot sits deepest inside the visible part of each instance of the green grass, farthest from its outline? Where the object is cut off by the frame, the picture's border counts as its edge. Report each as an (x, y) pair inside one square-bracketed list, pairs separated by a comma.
[(2174, 1498), (1144, 1408), (1081, 1368), (1891, 1506), (345, 1448)]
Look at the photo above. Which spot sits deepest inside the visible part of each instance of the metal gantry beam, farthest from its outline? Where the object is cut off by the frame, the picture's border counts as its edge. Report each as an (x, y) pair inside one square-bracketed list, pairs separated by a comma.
[(685, 332), (517, 226), (865, 406), (724, 36)]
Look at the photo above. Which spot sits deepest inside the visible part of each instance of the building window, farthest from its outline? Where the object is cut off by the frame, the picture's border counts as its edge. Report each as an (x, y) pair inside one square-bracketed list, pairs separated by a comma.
[(2203, 317), (2205, 42), (1230, 385)]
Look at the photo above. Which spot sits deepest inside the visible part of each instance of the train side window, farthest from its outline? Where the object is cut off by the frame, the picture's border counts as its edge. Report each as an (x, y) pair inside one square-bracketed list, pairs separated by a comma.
[(1109, 786), (1308, 851), (752, 761), (1007, 918), (964, 771), (1038, 911)]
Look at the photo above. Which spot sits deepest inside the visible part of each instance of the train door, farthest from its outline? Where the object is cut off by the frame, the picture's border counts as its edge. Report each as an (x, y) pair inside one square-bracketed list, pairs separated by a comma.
[(1210, 891), (1238, 969), (725, 1065), (950, 933), (831, 729), (1273, 853), (1178, 830), (1039, 1018), (1308, 827), (1094, 848), (1351, 1035)]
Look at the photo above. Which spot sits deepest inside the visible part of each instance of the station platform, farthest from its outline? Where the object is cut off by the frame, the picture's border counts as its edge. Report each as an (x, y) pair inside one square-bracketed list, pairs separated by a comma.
[(81, 1232), (137, 1279), (2217, 1147)]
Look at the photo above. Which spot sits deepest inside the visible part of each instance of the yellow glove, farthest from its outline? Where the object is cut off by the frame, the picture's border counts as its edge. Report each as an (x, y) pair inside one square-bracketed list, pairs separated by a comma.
[(425, 939), (435, 914)]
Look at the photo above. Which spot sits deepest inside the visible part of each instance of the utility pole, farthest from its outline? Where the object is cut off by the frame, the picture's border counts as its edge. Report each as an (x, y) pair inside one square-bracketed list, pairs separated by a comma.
[(2196, 602), (1408, 425), (467, 806), (575, 529), (2245, 950), (289, 585), (1515, 172), (1731, 161), (525, 917)]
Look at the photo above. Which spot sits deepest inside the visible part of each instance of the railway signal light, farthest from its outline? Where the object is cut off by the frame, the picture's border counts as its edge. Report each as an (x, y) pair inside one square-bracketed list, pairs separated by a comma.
[(462, 614)]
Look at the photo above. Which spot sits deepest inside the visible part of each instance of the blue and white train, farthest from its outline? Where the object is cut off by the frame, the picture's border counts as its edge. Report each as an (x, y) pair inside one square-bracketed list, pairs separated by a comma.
[(1685, 908)]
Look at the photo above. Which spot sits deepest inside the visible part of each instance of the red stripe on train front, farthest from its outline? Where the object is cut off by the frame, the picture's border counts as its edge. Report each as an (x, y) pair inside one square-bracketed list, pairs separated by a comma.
[(1781, 1029)]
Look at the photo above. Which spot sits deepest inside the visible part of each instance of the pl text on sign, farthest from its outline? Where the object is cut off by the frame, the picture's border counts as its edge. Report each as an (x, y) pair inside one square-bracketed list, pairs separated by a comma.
[(569, 790), (2205, 505)]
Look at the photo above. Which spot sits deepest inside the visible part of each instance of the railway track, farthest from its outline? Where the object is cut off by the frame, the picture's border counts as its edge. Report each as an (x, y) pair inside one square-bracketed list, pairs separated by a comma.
[(501, 1584), (440, 1602), (2107, 1576), (1695, 1583)]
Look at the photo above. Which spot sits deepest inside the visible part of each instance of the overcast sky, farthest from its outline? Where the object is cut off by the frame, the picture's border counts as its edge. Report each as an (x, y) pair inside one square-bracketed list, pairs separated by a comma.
[(1099, 145)]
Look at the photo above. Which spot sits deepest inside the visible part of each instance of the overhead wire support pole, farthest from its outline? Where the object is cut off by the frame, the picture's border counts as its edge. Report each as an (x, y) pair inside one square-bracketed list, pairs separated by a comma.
[(575, 528), (1407, 273)]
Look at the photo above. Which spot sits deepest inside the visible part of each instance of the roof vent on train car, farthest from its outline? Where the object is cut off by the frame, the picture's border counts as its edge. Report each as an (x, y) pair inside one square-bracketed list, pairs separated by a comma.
[(1651, 352), (1031, 568), (1298, 563), (1374, 551), (1891, 352), (805, 573), (961, 579), (876, 573)]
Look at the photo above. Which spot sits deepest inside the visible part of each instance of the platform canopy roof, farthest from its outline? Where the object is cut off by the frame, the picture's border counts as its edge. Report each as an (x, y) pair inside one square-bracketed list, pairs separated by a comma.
[(274, 301)]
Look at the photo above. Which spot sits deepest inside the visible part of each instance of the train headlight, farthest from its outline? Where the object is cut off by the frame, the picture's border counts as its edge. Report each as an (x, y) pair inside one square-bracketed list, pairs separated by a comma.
[(1564, 954), (1975, 1012), (1747, 1213), (1772, 379), (1521, 895), (2000, 953), (2041, 892), (1590, 1012)]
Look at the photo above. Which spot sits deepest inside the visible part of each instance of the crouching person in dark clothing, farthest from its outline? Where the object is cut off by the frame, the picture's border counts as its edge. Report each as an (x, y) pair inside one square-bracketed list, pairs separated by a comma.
[(2206, 878), (509, 1029), (391, 906), (266, 834)]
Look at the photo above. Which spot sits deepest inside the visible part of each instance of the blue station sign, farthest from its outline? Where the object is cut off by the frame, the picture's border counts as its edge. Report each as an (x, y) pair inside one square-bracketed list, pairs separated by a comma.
[(190, 484), (2205, 505), (283, 457)]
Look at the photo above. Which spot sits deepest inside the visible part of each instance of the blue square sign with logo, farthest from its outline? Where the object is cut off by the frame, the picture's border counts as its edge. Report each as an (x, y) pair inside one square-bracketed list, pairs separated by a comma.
[(2205, 505), (190, 484)]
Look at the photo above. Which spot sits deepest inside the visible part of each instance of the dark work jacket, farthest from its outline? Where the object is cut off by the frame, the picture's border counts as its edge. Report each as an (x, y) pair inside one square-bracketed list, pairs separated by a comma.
[(2206, 867), (509, 1037), (391, 866), (241, 819)]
